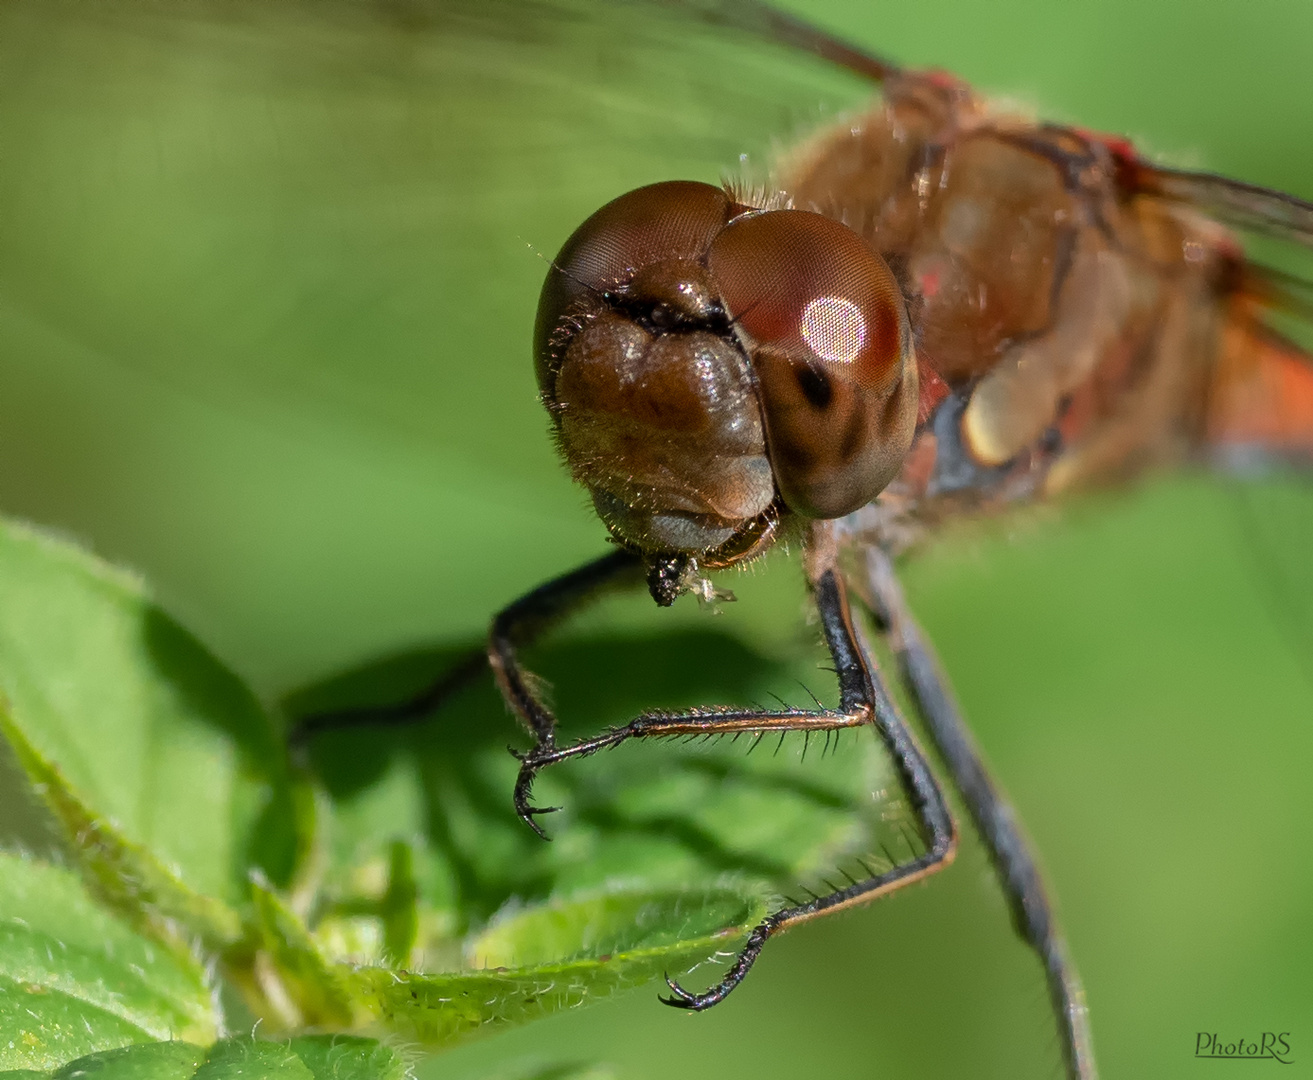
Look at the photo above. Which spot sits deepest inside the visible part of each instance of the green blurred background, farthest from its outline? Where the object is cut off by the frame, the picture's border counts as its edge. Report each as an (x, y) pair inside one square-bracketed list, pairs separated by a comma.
[(266, 279)]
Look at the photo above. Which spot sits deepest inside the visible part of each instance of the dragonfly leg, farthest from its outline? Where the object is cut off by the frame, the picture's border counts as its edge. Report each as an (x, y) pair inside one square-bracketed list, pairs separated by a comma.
[(863, 700), (527, 619), (521, 620), (860, 692), (1008, 845), (532, 615), (466, 669)]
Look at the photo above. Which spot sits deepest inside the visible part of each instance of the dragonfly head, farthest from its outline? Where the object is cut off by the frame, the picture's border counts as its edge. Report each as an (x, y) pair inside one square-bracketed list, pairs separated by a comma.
[(711, 368)]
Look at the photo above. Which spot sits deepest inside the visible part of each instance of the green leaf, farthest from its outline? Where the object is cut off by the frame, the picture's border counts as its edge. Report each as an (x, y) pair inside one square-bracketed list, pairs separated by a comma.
[(148, 1061), (618, 928), (125, 876), (313, 1057), (43, 1025), (566, 954), (73, 979), (527, 965), (234, 1058), (136, 732), (339, 1057), (314, 987)]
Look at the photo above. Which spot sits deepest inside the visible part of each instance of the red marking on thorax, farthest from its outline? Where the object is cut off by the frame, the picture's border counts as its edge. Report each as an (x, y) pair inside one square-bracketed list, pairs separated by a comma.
[(1125, 160), (933, 389), (1118, 146)]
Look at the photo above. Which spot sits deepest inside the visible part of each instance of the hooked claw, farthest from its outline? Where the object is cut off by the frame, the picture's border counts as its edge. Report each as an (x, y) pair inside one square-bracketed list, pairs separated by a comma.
[(523, 786), (527, 815), (682, 999)]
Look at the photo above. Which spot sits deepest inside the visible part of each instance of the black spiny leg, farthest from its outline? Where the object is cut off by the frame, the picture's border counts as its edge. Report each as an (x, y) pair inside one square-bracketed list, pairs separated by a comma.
[(1008, 846), (468, 668), (528, 618), (532, 615), (860, 688), (863, 700)]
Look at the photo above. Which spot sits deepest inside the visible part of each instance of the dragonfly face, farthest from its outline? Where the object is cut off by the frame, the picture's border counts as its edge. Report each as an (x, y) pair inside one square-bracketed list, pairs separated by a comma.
[(710, 365)]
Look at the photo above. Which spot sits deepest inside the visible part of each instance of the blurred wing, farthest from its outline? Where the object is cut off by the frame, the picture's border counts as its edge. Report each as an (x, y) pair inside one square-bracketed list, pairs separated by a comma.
[(337, 198), (340, 210), (1244, 206), (781, 28), (1261, 398)]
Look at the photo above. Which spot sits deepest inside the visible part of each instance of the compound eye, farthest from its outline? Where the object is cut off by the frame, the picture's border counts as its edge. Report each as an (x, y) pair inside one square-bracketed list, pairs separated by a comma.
[(672, 220), (827, 332)]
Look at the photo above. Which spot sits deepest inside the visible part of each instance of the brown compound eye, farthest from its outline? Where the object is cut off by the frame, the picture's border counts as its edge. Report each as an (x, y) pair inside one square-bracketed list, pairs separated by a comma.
[(826, 329), (674, 220)]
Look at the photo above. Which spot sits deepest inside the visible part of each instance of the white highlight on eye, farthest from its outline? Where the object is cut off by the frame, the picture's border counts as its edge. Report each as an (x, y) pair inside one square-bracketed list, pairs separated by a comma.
[(834, 328)]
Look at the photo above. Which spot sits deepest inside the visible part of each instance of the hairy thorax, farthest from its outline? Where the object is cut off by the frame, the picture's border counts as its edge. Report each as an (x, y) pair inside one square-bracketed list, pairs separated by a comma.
[(1065, 330)]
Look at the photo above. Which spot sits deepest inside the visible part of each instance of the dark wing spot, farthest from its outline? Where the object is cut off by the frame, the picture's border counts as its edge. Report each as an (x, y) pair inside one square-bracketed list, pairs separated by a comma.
[(814, 384)]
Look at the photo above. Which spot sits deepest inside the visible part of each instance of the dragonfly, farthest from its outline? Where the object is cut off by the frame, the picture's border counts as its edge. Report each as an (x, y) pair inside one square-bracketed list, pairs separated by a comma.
[(594, 32), (724, 367), (938, 308)]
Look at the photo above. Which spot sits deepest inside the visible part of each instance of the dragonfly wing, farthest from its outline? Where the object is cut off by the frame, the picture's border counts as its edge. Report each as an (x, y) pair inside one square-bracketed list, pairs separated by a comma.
[(1244, 206), (784, 29), (1261, 396), (345, 207)]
